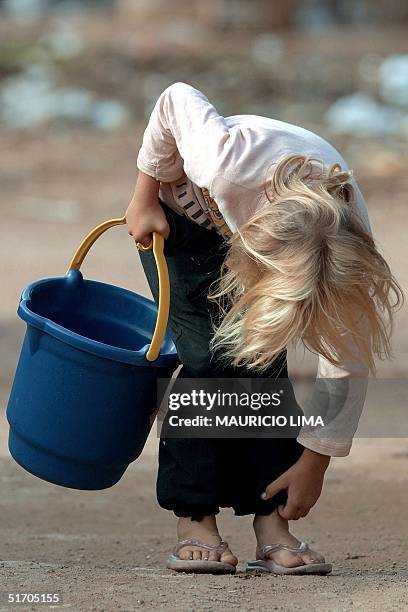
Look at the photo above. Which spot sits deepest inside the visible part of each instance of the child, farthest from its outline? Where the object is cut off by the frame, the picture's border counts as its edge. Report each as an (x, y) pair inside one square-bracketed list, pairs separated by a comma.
[(272, 211)]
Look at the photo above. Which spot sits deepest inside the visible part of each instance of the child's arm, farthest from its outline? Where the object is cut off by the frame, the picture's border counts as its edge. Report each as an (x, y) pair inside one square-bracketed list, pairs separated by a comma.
[(184, 133), (338, 396), (144, 214)]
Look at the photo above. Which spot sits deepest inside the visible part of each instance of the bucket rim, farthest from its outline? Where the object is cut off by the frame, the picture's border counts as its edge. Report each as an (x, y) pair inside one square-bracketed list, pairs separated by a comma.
[(88, 345)]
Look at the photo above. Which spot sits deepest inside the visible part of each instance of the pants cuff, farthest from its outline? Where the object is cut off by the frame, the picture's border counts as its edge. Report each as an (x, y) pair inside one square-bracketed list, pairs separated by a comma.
[(196, 515)]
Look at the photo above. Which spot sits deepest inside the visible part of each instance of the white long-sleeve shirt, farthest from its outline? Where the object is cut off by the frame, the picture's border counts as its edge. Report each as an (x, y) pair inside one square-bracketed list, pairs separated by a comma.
[(199, 155)]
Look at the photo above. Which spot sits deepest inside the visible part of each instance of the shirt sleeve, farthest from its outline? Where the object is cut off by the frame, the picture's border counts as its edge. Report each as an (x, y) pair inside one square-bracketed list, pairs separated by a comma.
[(339, 392), (338, 397), (185, 133)]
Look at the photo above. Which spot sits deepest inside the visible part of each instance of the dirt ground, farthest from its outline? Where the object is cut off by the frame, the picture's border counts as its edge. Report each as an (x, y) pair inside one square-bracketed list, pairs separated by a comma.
[(106, 550)]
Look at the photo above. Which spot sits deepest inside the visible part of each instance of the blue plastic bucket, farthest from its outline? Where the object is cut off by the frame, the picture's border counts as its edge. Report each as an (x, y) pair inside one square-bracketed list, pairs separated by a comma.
[(84, 394)]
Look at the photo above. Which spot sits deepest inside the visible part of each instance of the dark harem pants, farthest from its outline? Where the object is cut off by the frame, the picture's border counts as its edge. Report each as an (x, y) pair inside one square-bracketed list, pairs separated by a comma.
[(197, 476)]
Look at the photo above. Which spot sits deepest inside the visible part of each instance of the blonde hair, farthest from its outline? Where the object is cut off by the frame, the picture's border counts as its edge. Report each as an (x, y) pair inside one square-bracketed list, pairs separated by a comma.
[(304, 269)]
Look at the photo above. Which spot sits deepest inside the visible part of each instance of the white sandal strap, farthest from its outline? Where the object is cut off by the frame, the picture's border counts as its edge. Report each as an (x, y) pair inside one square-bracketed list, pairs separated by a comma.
[(220, 548), (264, 551)]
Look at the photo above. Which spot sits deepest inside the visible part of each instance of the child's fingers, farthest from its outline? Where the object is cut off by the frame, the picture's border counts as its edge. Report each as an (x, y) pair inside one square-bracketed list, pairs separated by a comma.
[(290, 513), (274, 487), (145, 240), (163, 228)]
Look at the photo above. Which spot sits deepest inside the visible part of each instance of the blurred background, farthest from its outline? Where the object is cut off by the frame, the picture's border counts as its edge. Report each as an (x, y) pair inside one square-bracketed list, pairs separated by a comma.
[(78, 81)]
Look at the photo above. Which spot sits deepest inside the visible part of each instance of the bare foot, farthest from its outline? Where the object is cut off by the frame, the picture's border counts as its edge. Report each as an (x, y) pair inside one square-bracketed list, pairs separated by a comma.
[(273, 529), (207, 532)]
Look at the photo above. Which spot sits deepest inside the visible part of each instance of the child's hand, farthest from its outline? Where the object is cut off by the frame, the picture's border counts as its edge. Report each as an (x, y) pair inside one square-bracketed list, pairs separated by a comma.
[(303, 482), (144, 214), (144, 218)]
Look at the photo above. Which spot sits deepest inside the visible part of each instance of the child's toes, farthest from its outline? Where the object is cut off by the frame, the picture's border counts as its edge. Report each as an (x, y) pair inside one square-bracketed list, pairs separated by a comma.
[(185, 554), (197, 555), (228, 557), (312, 557), (287, 559), (213, 556)]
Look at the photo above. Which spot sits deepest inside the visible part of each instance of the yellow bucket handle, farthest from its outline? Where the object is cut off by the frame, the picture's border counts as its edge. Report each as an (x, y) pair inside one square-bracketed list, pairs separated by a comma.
[(162, 271)]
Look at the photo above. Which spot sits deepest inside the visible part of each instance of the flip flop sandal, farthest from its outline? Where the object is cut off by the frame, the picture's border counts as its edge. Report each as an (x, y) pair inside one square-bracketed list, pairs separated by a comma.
[(264, 564), (199, 566)]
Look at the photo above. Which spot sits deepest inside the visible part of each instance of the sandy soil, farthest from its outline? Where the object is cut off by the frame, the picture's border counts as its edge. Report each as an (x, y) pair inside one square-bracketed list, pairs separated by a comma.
[(105, 550)]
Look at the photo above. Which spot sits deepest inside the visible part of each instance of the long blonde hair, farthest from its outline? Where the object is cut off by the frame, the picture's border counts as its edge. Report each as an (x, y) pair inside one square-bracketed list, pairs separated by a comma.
[(305, 269)]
